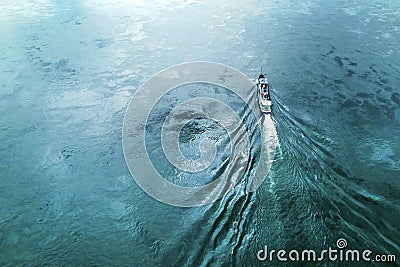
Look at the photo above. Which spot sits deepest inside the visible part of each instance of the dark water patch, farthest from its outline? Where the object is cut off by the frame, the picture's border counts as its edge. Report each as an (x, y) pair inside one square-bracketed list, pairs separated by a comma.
[(33, 48), (364, 75), (193, 129), (363, 95), (388, 88), (384, 72), (75, 19), (62, 64), (340, 95), (32, 128), (350, 73), (350, 103), (324, 79), (383, 81), (396, 98), (390, 113), (329, 52), (379, 82), (338, 81), (386, 102), (103, 42), (370, 110), (45, 64), (339, 61), (67, 153)]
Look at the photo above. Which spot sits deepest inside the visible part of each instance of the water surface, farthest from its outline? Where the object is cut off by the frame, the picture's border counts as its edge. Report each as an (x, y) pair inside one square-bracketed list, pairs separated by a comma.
[(68, 70)]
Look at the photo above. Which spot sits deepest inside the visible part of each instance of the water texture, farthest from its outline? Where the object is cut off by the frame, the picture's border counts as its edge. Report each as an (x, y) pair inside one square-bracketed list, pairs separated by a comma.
[(68, 70)]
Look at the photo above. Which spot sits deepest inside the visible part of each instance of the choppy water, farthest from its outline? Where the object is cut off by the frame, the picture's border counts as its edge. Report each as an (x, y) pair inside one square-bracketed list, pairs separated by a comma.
[(68, 70)]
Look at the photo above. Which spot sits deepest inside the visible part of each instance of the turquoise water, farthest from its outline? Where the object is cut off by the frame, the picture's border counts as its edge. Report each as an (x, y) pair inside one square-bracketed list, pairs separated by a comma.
[(68, 70)]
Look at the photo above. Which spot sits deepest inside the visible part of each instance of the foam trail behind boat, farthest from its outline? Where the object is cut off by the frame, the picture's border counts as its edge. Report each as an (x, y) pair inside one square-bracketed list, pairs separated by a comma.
[(269, 143)]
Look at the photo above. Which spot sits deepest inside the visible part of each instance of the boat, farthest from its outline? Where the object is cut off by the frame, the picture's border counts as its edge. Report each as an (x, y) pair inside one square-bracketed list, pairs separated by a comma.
[(263, 94)]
